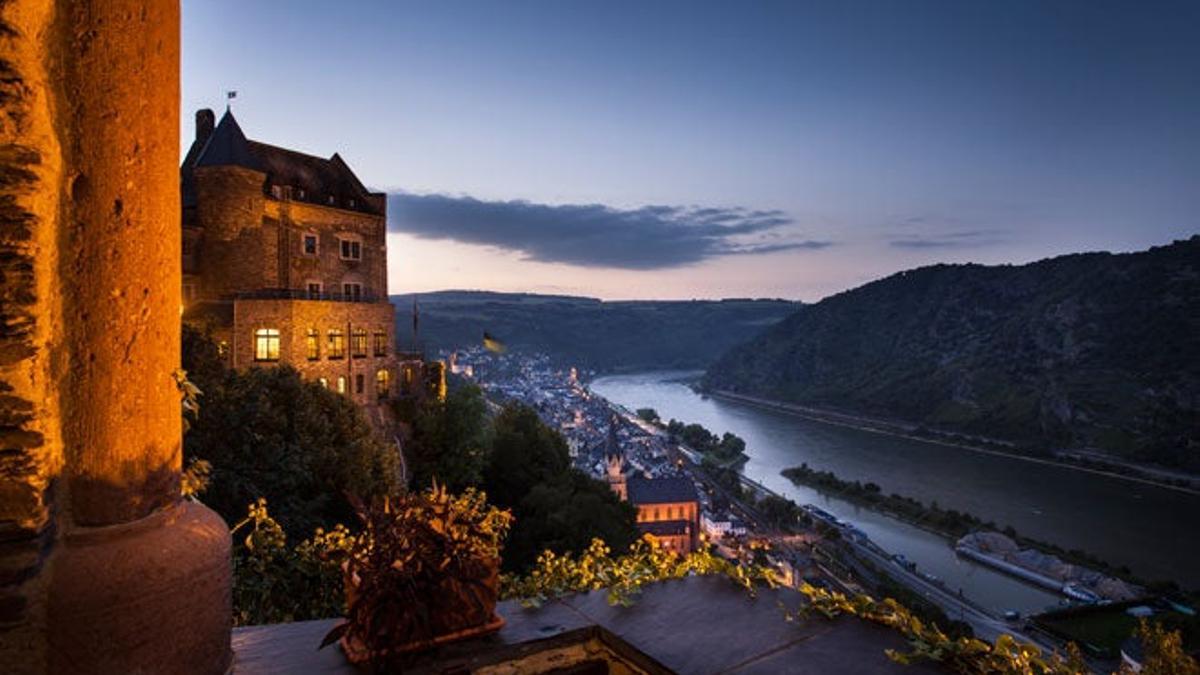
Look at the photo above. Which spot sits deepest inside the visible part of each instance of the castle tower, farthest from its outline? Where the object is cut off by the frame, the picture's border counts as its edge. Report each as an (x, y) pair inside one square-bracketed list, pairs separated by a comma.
[(615, 459), (285, 263)]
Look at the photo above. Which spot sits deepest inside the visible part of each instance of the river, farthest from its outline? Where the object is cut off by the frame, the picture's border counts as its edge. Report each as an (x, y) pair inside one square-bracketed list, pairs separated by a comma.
[(1153, 530)]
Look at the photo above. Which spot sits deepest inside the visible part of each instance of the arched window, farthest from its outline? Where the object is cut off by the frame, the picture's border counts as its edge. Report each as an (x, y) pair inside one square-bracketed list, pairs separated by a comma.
[(266, 344), (382, 382)]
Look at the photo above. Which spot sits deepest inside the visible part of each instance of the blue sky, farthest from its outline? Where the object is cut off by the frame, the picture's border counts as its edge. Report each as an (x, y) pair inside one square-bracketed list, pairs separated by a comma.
[(655, 149)]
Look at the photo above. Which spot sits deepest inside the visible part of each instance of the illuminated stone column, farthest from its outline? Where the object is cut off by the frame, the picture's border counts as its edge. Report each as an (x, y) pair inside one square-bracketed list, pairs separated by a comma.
[(102, 567)]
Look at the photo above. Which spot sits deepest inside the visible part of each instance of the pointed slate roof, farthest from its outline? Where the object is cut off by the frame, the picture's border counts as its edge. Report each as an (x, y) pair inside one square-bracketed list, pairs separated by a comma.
[(317, 180), (612, 444), (227, 146), (666, 490)]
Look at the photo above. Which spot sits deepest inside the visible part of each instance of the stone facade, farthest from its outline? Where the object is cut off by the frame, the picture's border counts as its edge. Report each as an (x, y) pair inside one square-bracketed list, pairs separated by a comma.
[(285, 262), (675, 525)]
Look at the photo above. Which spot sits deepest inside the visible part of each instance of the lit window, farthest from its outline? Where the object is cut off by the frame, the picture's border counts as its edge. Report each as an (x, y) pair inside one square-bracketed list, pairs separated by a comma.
[(358, 343), (266, 344), (358, 383), (222, 348), (313, 340), (314, 290), (383, 381), (310, 244), (381, 346), (352, 292), (351, 250), (323, 382), (341, 387), (337, 344)]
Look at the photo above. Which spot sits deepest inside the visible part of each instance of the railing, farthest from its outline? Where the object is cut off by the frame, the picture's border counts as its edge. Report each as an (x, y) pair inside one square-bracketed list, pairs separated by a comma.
[(301, 294)]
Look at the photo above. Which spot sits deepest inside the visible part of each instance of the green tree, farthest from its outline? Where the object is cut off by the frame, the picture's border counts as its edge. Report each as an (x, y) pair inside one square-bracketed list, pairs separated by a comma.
[(268, 433), (564, 516), (556, 507), (525, 453), (649, 415), (449, 440)]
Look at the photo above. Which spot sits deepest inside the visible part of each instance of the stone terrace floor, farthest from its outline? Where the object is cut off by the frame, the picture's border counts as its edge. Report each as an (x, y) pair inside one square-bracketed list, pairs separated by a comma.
[(695, 625)]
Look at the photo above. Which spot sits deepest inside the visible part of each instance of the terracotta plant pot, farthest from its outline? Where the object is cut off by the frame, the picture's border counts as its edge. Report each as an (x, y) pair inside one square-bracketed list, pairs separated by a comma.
[(458, 609)]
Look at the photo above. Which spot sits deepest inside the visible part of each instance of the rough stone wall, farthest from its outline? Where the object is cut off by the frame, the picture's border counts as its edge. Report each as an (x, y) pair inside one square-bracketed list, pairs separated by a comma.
[(327, 266), (293, 318), (237, 249), (31, 447)]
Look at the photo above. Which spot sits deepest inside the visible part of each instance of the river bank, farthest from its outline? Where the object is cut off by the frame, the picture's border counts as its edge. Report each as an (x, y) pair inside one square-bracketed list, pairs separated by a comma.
[(1129, 524), (1092, 464), (951, 524)]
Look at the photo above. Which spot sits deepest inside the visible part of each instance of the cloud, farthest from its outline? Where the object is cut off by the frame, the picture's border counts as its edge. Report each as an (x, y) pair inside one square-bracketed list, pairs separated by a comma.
[(596, 235), (921, 232)]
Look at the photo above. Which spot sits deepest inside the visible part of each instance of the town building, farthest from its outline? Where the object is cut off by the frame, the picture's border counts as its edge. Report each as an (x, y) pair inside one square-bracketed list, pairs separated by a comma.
[(667, 507), (285, 262)]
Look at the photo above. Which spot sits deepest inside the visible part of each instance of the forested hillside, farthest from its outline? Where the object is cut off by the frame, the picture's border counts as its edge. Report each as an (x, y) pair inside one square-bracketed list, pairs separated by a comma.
[(1092, 350), (605, 336)]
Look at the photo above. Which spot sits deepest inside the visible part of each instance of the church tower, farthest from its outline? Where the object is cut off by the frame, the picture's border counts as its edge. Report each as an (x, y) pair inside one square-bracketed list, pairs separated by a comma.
[(616, 461)]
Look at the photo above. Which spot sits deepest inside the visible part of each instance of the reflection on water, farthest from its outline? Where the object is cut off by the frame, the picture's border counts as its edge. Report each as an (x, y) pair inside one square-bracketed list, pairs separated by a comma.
[(1150, 529)]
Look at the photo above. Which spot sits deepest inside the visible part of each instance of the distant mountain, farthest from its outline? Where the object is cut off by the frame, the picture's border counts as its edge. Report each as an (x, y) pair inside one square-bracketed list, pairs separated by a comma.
[(589, 333), (1092, 350)]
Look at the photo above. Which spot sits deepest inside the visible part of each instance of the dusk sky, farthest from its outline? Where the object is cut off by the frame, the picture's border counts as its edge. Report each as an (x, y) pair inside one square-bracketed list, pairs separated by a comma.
[(698, 150)]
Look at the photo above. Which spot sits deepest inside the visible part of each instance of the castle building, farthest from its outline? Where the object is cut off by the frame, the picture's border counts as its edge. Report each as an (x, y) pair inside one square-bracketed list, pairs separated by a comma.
[(285, 262), (667, 507)]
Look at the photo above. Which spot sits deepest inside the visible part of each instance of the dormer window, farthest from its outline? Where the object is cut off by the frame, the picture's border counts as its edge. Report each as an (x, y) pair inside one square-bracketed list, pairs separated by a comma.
[(351, 249)]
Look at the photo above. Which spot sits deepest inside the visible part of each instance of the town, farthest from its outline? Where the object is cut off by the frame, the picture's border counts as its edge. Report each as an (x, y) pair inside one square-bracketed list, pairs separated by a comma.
[(740, 517)]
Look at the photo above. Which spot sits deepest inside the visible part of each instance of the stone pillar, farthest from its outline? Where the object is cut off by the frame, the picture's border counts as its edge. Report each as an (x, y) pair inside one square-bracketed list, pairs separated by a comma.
[(103, 568)]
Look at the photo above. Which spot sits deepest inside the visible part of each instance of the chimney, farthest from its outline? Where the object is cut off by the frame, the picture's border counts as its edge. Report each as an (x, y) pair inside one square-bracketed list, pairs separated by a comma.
[(205, 121)]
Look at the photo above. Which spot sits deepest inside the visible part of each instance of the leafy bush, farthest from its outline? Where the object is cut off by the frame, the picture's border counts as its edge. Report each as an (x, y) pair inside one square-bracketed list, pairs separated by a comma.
[(269, 434), (448, 439), (595, 569), (275, 583), (529, 472)]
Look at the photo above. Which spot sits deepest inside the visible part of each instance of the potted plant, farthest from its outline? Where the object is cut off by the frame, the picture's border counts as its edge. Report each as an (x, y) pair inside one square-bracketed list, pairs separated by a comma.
[(424, 571)]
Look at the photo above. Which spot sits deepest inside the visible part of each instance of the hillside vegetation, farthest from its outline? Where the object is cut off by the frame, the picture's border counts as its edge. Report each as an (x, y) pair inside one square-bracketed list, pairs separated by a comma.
[(1092, 350), (589, 333)]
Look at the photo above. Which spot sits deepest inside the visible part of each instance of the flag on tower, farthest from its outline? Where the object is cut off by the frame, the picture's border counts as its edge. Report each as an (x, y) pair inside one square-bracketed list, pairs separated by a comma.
[(493, 345)]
